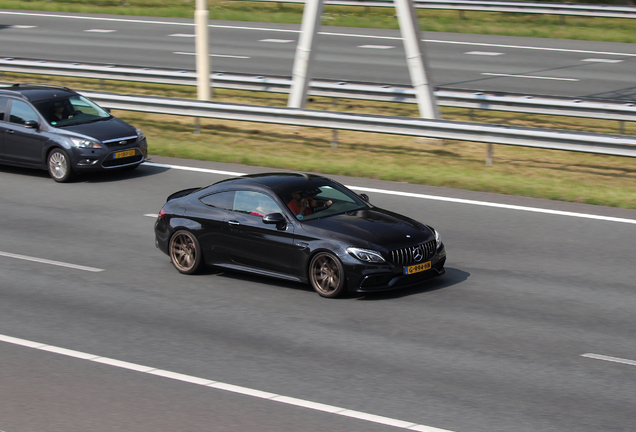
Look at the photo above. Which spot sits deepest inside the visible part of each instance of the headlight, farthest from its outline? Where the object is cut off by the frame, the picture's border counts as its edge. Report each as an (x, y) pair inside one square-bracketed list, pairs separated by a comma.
[(140, 134), (366, 255), (438, 238), (85, 143)]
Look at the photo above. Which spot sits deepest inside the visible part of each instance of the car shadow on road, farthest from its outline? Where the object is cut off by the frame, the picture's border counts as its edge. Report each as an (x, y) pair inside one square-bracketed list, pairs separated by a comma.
[(452, 277), (120, 175), (94, 177)]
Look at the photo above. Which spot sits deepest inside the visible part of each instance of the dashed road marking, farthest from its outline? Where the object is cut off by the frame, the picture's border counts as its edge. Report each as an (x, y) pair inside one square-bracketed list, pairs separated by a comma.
[(50, 262)]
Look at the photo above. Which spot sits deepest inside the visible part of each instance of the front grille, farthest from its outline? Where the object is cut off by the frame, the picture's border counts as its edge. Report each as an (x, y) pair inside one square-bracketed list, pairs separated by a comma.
[(121, 142), (407, 255)]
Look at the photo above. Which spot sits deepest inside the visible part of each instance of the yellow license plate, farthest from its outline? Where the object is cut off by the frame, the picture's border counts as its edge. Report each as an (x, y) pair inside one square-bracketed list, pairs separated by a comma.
[(123, 154), (417, 268)]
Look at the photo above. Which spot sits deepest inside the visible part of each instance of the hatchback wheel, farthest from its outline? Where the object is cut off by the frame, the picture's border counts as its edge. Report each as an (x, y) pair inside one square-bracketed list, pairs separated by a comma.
[(59, 166), (185, 252), (327, 275)]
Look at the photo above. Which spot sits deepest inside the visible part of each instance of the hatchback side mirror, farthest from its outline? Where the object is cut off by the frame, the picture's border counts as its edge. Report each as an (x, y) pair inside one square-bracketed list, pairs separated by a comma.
[(31, 124)]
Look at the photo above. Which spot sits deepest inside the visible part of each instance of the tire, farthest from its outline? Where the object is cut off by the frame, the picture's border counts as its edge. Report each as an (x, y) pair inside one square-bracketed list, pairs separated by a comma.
[(326, 275), (185, 252), (59, 166)]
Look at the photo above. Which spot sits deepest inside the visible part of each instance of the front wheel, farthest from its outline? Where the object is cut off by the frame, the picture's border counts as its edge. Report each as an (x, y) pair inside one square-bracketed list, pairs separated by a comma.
[(326, 275), (59, 166), (185, 252)]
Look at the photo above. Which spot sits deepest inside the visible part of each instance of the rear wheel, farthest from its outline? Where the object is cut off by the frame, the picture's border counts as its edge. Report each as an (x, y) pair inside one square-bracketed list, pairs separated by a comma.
[(59, 166), (185, 252), (326, 275)]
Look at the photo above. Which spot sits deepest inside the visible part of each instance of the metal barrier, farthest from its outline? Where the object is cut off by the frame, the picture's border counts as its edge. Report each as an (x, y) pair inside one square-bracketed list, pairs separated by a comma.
[(615, 145), (603, 11), (605, 110)]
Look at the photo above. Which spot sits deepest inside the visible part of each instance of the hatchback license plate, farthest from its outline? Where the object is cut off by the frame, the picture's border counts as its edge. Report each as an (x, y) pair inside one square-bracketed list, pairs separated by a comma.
[(417, 268), (123, 154)]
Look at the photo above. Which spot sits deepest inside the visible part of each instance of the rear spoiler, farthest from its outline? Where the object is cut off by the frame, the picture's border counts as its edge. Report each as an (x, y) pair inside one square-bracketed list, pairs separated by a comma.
[(182, 193)]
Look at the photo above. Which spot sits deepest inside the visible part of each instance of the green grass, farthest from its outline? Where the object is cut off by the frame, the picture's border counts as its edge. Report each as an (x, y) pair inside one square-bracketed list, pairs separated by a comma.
[(495, 23), (556, 175)]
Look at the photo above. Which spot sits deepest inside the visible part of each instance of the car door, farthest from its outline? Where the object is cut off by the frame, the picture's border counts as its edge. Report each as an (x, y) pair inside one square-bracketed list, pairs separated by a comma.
[(23, 144), (251, 242), (211, 213)]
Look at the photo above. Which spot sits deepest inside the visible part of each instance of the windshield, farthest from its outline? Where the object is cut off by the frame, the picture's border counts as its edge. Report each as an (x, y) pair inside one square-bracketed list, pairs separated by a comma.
[(320, 201), (70, 111)]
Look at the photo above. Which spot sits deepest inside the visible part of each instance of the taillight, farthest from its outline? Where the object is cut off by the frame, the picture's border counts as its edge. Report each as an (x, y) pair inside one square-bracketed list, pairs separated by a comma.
[(162, 213)]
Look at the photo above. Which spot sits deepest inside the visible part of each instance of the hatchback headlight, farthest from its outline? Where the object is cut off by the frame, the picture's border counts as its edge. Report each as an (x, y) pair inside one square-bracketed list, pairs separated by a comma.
[(366, 255), (140, 134), (85, 143)]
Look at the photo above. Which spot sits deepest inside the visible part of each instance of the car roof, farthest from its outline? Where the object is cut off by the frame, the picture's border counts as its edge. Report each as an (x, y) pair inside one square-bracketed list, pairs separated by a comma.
[(37, 92), (279, 182)]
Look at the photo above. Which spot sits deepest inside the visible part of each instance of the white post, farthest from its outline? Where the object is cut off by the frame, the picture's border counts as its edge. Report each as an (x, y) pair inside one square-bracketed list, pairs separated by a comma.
[(202, 49), (301, 74), (416, 59)]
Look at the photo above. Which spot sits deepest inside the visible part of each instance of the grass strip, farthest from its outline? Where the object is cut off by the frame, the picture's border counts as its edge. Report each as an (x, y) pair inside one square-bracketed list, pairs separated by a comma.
[(550, 174)]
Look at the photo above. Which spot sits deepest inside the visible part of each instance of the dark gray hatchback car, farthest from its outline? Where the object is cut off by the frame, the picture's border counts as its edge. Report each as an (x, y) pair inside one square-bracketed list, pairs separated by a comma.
[(55, 128)]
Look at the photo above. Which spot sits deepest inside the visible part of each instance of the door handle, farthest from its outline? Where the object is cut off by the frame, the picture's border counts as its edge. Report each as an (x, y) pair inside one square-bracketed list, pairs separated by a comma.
[(233, 222), (11, 131)]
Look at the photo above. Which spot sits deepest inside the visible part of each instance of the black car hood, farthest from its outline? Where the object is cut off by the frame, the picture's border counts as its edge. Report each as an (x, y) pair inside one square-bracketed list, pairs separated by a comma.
[(373, 227), (103, 130)]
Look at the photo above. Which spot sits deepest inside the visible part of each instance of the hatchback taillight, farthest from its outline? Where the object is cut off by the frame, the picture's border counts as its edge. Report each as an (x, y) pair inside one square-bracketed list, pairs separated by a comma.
[(162, 213)]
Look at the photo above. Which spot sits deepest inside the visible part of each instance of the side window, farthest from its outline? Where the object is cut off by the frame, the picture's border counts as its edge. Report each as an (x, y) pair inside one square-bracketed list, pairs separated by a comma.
[(3, 107), (255, 203), (21, 113), (222, 200)]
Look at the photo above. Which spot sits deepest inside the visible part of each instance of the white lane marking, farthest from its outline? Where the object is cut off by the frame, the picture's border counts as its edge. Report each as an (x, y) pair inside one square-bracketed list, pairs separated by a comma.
[(191, 24), (372, 418), (282, 41), (152, 215), (45, 261), (212, 55), (22, 26), (597, 60), (609, 359), (529, 76), (429, 197), (376, 46), (484, 53), (99, 31), (183, 35)]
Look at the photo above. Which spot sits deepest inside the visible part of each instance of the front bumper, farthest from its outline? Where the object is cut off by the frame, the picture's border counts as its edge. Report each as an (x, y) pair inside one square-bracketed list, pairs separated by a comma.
[(364, 278), (85, 160)]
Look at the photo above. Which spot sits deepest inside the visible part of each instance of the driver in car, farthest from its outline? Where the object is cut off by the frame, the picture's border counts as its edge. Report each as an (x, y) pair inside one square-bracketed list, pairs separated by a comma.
[(303, 205)]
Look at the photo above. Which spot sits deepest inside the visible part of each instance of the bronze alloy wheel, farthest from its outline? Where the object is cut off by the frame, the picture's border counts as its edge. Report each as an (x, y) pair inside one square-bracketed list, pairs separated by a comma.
[(185, 252), (326, 275)]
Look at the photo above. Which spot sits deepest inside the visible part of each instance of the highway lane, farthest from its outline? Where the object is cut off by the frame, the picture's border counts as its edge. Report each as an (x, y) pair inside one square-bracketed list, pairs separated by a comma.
[(477, 62), (497, 344)]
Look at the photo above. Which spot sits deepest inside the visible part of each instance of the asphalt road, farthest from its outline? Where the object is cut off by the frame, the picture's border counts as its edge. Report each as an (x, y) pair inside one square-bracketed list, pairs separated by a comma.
[(512, 338), (476, 62)]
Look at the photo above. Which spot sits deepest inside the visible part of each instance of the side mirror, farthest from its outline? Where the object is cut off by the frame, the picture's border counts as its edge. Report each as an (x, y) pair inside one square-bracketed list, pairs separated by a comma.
[(364, 197), (275, 219), (31, 124)]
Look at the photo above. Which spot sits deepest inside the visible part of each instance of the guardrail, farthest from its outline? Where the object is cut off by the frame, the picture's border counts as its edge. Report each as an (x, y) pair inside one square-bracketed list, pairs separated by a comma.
[(615, 145), (603, 11), (605, 110)]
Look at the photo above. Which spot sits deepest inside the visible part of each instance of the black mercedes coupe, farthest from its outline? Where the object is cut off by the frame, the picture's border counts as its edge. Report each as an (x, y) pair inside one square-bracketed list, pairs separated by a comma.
[(298, 227)]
